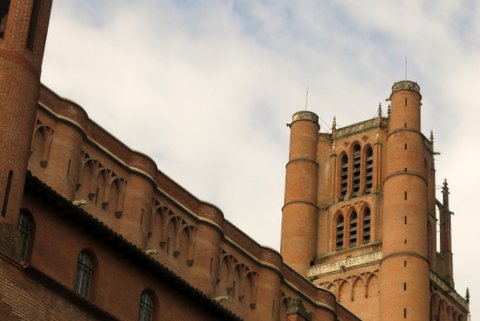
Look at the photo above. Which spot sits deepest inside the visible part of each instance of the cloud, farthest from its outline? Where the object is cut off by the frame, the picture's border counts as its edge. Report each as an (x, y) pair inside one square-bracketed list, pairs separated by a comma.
[(212, 84)]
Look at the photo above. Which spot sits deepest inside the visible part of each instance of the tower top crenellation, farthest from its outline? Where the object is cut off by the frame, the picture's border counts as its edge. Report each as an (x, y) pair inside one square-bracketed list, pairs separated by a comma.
[(406, 85), (305, 115)]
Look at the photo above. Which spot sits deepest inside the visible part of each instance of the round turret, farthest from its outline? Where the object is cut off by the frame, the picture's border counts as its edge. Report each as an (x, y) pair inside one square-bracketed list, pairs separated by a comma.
[(404, 281), (299, 220), (23, 32)]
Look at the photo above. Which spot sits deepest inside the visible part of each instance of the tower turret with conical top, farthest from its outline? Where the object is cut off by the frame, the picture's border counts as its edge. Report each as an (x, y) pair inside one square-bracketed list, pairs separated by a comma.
[(23, 30), (404, 279)]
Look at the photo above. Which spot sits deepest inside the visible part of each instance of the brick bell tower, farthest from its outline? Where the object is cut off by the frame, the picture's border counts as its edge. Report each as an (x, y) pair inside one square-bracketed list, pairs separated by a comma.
[(360, 214), (23, 31)]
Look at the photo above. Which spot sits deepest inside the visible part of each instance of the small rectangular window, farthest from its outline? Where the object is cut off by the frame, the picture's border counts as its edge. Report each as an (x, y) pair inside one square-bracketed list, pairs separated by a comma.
[(32, 28), (7, 193), (404, 286), (405, 313), (4, 8), (405, 196)]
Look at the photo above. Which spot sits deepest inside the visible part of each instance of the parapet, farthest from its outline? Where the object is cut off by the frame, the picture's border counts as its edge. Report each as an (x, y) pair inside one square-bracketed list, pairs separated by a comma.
[(305, 115), (406, 85)]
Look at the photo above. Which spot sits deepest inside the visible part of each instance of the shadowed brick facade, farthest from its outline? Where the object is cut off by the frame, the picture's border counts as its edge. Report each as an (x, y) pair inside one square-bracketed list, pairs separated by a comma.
[(92, 230)]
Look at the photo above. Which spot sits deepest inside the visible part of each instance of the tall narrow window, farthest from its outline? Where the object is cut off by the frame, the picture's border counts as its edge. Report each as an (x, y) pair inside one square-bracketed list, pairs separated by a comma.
[(353, 230), (32, 28), (26, 228), (4, 6), (366, 225), (339, 233), (147, 307), (83, 282), (343, 177), (368, 170), (7, 193), (356, 170)]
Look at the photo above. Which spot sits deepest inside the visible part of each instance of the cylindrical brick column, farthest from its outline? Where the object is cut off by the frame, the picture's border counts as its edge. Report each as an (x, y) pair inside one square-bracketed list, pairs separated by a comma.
[(299, 219), (404, 276), (21, 50)]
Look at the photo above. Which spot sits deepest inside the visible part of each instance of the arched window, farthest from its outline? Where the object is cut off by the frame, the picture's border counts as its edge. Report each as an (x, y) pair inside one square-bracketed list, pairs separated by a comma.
[(84, 279), (368, 170), (343, 177), (366, 225), (353, 229), (339, 233), (356, 170), (26, 228), (147, 307)]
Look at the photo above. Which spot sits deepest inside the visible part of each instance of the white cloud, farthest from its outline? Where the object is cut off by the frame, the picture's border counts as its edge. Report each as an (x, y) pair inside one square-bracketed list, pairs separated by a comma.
[(215, 82)]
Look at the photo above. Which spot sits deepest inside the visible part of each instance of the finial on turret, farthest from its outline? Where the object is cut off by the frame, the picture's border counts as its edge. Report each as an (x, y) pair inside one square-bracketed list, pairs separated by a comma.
[(445, 185), (334, 127), (379, 112), (389, 110), (467, 295), (445, 192), (431, 137)]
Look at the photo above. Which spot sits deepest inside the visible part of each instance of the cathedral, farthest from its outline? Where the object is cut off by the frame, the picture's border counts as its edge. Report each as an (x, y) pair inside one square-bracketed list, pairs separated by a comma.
[(92, 230)]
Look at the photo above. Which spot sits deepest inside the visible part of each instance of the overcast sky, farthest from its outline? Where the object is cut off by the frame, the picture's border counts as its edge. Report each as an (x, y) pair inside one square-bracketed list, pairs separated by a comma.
[(205, 87)]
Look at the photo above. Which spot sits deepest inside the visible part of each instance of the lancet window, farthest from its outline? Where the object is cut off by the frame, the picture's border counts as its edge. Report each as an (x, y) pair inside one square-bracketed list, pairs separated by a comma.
[(368, 170), (356, 172), (339, 233), (366, 225), (353, 229), (343, 177)]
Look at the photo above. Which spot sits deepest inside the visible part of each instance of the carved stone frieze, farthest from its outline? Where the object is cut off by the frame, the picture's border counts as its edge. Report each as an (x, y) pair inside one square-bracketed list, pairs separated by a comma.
[(343, 264)]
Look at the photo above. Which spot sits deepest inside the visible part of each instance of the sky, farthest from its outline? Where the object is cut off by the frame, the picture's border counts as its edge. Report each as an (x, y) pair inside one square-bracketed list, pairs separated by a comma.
[(206, 88)]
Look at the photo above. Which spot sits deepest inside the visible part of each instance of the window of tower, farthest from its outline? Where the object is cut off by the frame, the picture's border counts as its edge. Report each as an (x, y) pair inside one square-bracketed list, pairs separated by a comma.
[(339, 233), (366, 225), (356, 170), (343, 177), (7, 193), (353, 230), (26, 228), (4, 6), (368, 170), (32, 28)]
